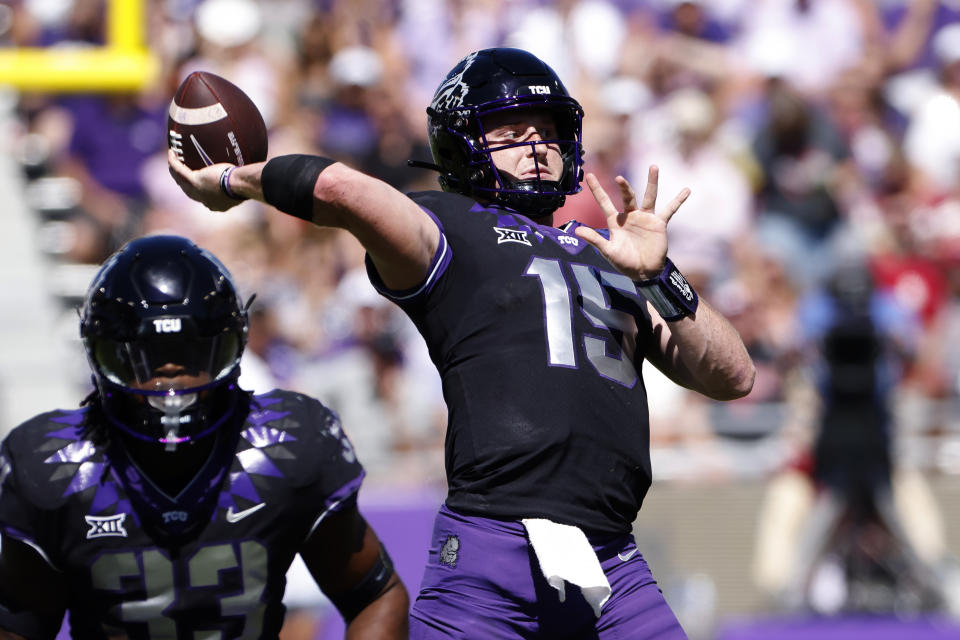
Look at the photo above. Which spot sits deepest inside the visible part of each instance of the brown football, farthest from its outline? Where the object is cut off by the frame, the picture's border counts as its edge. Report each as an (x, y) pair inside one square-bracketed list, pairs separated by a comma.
[(212, 120)]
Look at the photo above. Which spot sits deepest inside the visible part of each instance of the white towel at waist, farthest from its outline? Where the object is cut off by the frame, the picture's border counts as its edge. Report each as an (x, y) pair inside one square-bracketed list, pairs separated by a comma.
[(565, 555)]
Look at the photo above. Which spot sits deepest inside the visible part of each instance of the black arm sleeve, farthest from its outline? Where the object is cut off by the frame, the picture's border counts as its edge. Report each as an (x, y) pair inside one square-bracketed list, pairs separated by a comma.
[(352, 602), (288, 181)]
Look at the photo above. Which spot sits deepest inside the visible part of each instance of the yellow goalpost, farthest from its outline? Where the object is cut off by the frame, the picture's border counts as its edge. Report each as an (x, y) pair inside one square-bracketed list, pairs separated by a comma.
[(123, 64)]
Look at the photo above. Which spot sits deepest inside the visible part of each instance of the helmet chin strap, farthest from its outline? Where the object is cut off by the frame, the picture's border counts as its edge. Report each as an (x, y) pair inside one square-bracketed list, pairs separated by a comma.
[(533, 186), (172, 406), (525, 196)]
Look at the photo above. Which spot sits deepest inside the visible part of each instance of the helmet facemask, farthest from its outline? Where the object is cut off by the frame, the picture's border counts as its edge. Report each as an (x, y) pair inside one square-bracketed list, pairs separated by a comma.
[(165, 386), (164, 330)]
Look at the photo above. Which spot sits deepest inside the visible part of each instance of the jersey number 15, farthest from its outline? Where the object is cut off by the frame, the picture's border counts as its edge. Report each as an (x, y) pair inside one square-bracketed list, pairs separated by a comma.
[(613, 361)]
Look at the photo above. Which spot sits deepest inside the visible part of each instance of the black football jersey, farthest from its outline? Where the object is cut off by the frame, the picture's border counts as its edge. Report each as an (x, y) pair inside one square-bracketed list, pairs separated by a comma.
[(291, 465), (539, 343)]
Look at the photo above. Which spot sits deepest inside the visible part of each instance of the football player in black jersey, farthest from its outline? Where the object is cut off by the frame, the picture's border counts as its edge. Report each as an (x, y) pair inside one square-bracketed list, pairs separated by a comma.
[(171, 504), (538, 333)]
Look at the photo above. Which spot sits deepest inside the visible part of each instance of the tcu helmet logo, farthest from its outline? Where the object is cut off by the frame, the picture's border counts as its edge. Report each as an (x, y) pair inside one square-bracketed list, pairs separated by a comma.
[(540, 89), (451, 92), (168, 325)]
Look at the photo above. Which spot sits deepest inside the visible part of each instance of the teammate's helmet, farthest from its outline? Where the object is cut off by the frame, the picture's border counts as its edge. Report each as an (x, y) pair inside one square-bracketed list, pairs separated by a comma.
[(491, 81), (161, 301)]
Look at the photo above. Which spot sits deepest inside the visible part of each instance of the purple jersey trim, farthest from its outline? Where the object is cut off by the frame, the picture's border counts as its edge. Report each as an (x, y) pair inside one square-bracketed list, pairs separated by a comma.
[(438, 265), (339, 499), (336, 500), (30, 542)]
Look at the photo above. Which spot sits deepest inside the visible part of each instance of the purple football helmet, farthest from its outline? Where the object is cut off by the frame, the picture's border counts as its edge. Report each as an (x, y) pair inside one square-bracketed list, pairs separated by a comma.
[(491, 81), (161, 311)]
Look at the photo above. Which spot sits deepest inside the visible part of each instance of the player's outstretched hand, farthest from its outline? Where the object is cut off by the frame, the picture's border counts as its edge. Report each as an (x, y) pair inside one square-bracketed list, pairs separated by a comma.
[(638, 234), (202, 185)]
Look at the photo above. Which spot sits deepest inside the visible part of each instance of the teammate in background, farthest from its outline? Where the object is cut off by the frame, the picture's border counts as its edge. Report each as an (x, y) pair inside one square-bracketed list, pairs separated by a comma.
[(538, 333), (171, 503), (836, 537)]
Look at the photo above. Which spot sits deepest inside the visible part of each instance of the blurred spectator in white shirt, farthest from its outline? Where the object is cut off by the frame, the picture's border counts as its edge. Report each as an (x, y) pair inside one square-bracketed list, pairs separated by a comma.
[(720, 208), (932, 139), (805, 42)]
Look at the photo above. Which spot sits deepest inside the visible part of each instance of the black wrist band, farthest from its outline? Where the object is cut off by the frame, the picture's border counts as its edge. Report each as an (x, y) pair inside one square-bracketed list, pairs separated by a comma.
[(225, 184), (670, 293), (288, 182), (371, 587)]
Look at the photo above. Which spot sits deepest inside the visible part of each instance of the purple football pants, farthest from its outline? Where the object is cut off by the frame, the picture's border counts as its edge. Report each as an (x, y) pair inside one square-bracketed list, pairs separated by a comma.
[(483, 582)]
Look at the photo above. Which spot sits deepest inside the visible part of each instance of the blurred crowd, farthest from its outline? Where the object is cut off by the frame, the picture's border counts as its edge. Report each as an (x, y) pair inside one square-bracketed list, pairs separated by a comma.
[(811, 132), (819, 138)]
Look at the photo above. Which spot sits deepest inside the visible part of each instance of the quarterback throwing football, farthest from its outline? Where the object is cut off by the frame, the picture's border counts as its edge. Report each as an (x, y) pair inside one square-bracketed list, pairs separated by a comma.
[(538, 333)]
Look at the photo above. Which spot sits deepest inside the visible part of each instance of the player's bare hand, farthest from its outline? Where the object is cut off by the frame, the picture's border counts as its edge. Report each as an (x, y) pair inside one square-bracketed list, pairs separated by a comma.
[(202, 185), (638, 233)]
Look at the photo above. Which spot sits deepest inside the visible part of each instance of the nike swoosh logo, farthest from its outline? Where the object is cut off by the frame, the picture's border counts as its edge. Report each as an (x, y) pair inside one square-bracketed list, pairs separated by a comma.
[(207, 160), (237, 516), (628, 555)]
